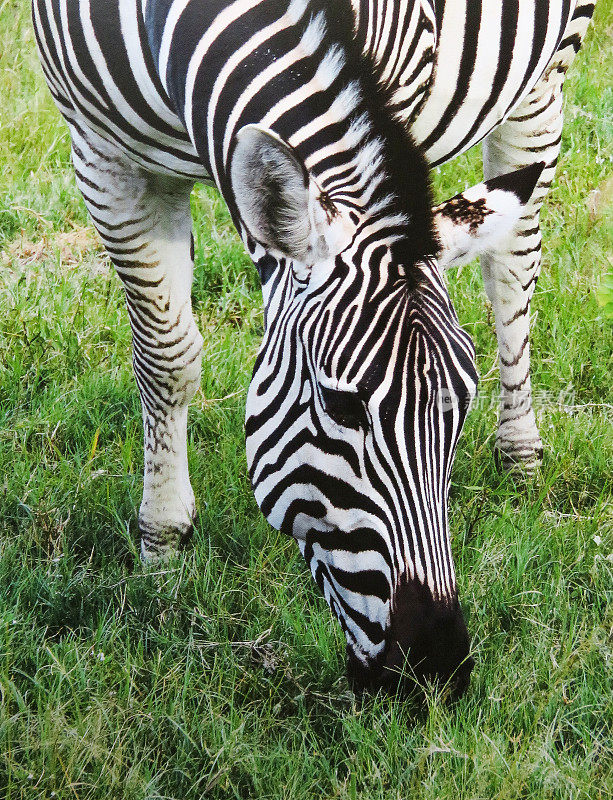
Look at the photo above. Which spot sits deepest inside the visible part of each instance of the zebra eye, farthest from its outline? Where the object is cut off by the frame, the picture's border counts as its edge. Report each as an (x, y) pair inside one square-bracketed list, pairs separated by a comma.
[(347, 409)]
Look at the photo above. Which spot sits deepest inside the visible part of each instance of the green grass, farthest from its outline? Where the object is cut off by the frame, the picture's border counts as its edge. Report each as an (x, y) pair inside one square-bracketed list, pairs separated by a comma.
[(222, 673)]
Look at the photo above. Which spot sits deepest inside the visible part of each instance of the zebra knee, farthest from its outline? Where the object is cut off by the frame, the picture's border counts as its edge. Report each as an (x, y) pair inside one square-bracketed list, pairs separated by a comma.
[(168, 369), (186, 371)]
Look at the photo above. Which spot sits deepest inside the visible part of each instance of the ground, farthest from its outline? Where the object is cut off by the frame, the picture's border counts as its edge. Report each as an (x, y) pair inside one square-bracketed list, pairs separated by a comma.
[(221, 675)]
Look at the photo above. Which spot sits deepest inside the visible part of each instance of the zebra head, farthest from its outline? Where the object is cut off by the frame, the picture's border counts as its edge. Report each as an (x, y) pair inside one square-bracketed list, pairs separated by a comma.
[(358, 397)]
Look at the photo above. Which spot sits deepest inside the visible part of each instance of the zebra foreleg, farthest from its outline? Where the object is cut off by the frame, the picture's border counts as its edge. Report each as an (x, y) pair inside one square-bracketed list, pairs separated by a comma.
[(145, 224), (511, 270)]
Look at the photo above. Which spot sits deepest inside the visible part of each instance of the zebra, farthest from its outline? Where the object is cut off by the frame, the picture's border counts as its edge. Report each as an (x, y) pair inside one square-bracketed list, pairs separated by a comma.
[(320, 123)]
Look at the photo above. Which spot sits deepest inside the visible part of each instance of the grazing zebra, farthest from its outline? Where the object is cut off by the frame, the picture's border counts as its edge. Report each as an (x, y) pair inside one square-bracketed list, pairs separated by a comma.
[(319, 122)]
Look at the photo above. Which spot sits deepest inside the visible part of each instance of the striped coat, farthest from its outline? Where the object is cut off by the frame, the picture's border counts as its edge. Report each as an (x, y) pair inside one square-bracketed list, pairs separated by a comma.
[(319, 123)]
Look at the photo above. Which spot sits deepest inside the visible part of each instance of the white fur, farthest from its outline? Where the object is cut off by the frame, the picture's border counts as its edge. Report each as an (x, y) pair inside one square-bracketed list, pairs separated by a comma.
[(460, 243)]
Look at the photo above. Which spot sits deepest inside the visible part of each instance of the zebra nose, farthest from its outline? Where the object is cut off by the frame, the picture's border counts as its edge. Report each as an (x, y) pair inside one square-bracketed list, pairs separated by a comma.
[(401, 675), (415, 671), (434, 649), (427, 643)]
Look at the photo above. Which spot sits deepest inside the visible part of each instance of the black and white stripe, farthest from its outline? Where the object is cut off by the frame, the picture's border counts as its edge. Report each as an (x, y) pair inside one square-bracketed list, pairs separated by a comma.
[(355, 462), (318, 122)]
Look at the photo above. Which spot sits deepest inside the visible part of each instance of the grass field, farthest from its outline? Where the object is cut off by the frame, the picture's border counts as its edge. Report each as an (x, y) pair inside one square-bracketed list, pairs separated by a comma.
[(221, 675)]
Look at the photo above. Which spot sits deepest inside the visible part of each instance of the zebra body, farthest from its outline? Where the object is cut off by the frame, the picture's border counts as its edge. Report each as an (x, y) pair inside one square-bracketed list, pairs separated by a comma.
[(319, 122), (121, 95)]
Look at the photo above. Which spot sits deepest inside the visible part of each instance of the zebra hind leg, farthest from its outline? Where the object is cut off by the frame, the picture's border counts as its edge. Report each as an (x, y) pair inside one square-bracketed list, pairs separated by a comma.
[(145, 224), (531, 134), (511, 271)]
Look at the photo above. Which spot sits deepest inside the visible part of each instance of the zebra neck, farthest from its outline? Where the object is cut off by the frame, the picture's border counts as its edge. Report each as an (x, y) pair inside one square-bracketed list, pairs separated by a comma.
[(294, 63), (392, 74), (399, 37)]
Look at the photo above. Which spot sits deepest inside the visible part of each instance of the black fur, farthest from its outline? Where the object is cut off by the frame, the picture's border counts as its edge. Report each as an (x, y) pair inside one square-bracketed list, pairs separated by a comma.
[(521, 182), (428, 642), (407, 170)]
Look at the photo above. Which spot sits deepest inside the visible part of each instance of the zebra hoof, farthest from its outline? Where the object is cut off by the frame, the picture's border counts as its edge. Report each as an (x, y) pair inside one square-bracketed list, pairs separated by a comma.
[(518, 458), (159, 546)]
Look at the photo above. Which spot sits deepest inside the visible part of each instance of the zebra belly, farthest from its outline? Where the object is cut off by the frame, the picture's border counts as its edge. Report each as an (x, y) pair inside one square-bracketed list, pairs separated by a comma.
[(489, 55)]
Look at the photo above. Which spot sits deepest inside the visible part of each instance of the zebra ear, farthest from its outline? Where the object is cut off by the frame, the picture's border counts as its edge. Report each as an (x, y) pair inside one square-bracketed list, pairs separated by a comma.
[(279, 201), (479, 219)]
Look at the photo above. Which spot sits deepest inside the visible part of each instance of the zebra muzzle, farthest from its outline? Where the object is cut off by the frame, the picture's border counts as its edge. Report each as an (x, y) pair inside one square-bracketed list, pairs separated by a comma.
[(427, 645)]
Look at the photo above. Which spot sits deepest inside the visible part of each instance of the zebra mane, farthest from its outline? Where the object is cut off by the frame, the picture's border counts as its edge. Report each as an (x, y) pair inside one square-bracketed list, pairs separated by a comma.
[(406, 172)]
